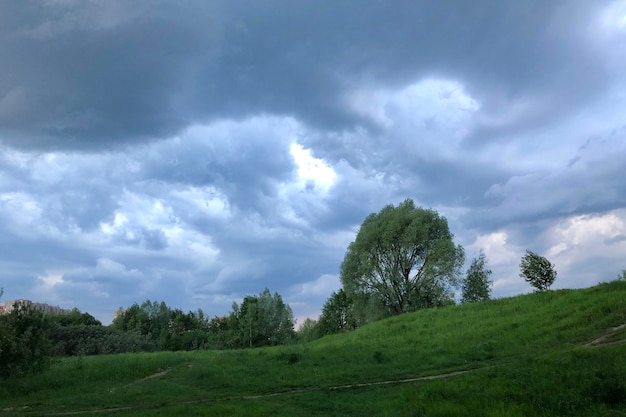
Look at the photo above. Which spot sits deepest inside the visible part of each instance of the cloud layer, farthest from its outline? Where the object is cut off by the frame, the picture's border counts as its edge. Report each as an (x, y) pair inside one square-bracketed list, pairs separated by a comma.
[(200, 151)]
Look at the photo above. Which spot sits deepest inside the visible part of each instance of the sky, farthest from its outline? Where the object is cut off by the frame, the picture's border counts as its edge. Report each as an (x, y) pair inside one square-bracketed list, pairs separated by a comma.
[(199, 151)]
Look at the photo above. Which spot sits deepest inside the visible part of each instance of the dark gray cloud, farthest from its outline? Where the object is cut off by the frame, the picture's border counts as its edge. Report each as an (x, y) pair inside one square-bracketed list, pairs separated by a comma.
[(199, 151), (83, 75), (588, 183)]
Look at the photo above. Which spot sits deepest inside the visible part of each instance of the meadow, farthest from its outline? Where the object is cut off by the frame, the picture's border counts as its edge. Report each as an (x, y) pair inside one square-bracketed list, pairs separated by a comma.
[(530, 355)]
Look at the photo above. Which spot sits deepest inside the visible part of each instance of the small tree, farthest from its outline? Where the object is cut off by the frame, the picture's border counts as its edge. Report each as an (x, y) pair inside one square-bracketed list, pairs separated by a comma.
[(308, 331), (537, 271), (477, 286), (337, 315)]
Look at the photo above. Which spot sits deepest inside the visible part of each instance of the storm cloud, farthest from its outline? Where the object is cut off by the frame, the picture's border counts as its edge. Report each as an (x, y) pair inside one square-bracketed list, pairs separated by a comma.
[(199, 151)]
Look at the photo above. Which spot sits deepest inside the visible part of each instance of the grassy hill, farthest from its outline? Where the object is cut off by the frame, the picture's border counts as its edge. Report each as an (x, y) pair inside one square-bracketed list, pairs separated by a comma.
[(531, 355)]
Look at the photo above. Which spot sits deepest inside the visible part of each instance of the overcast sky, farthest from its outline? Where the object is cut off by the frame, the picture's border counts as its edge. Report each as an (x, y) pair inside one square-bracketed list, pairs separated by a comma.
[(199, 151)]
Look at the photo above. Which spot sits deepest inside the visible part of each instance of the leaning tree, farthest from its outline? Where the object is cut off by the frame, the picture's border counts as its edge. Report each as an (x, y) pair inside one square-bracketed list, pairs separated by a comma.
[(404, 258), (537, 270)]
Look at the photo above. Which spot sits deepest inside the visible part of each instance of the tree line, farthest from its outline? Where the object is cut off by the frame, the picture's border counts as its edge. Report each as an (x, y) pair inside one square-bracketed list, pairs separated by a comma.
[(403, 259), (29, 338), (261, 320)]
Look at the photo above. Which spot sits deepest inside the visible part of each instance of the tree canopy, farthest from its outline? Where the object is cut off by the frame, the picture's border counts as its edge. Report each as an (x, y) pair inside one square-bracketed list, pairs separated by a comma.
[(404, 258), (263, 320), (477, 286), (337, 315), (537, 270)]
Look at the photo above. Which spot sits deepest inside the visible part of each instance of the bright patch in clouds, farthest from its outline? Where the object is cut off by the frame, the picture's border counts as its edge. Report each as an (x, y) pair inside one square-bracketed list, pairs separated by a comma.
[(614, 16), (496, 247), (208, 200), (588, 235), (246, 159), (113, 227), (51, 279), (22, 212), (322, 286), (432, 103), (502, 259), (312, 170)]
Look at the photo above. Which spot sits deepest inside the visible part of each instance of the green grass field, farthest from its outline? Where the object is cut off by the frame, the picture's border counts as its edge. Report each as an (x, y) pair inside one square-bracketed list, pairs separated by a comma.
[(524, 356)]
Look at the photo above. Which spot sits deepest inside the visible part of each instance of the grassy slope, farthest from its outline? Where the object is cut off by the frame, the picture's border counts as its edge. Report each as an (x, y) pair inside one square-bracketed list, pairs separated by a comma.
[(527, 353)]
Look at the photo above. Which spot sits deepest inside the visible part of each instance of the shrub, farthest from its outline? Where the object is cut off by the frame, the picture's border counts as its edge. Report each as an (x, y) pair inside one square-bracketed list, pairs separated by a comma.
[(23, 342)]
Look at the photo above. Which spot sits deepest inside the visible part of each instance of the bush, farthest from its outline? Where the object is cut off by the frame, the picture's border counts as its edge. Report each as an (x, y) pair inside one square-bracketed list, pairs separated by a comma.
[(23, 342), (94, 340)]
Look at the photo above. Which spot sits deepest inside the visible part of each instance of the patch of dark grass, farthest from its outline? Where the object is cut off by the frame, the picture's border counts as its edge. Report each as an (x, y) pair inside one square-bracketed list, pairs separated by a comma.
[(378, 357), (290, 357)]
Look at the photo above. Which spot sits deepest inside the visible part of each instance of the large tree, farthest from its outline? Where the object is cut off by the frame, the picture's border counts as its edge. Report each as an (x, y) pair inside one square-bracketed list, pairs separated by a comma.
[(403, 259)]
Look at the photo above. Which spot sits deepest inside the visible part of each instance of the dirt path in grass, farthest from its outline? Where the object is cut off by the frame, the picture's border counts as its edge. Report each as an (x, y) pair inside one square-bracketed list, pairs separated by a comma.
[(599, 342), (157, 375), (366, 384), (603, 340), (246, 397)]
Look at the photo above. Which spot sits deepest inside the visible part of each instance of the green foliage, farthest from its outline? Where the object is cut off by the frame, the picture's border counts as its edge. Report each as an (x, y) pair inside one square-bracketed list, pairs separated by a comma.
[(23, 342), (537, 271), (477, 286), (263, 320), (337, 315), (155, 326), (527, 356), (223, 333), (620, 277), (80, 339), (403, 259), (308, 331), (75, 318)]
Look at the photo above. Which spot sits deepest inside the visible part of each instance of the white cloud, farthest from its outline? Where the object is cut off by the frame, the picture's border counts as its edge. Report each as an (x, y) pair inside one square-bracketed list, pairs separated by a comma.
[(110, 228), (502, 259), (613, 17), (21, 210), (497, 248), (431, 101), (431, 115), (49, 281), (324, 285), (312, 170), (306, 299), (586, 248)]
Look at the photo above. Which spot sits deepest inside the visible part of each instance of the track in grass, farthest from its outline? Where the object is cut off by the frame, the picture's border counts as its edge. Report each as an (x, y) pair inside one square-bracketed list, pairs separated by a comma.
[(254, 397)]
